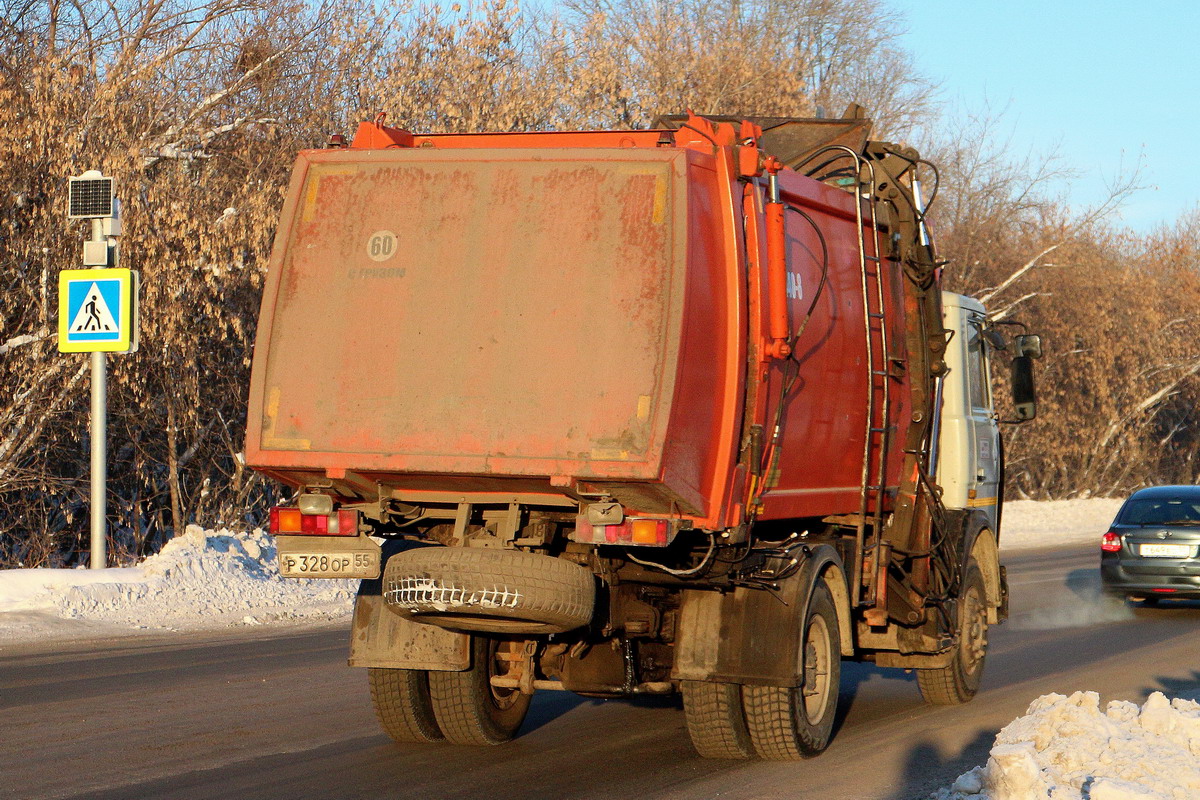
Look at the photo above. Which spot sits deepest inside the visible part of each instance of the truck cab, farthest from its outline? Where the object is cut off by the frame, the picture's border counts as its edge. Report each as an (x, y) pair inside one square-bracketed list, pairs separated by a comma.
[(968, 458)]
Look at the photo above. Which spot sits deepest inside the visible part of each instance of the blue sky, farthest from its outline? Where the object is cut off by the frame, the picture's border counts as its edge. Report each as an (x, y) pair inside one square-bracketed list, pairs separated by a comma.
[(1106, 83)]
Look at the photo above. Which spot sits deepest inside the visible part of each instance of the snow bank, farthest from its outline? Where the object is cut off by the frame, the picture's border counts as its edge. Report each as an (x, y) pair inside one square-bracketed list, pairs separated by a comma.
[(202, 580), (1029, 524), (1066, 748)]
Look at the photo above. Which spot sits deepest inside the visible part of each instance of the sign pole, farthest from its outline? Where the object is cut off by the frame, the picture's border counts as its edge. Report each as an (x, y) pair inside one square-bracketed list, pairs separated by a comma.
[(97, 314), (99, 460), (99, 466)]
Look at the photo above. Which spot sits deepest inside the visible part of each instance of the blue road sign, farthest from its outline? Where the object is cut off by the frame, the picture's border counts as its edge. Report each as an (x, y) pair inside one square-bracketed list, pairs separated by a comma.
[(96, 310)]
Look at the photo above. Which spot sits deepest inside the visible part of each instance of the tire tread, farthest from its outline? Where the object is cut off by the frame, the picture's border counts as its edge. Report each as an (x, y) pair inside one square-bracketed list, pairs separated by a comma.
[(556, 595), (769, 717), (462, 704), (772, 712), (715, 719), (402, 703)]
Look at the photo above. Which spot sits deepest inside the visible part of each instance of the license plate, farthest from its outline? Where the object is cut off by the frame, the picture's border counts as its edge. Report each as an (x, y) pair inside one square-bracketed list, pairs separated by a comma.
[(1165, 550), (358, 564)]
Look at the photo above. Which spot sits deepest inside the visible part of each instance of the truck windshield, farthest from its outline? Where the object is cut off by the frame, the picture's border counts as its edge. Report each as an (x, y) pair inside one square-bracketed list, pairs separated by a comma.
[(1160, 512)]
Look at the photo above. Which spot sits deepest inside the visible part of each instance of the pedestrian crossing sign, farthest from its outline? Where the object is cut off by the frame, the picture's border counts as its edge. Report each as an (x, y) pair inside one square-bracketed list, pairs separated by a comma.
[(97, 310)]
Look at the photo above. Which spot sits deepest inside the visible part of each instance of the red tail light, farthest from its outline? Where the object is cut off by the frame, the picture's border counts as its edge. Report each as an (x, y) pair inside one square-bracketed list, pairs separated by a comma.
[(290, 522), (1111, 543), (630, 531)]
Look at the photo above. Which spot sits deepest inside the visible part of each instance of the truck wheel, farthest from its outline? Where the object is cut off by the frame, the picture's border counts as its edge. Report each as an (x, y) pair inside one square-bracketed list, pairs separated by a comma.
[(957, 682), (402, 704), (785, 722), (468, 708), (715, 719), (483, 589)]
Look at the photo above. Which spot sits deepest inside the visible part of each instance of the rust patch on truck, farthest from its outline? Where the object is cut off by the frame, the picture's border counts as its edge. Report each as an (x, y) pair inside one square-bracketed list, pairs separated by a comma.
[(500, 261), (270, 419)]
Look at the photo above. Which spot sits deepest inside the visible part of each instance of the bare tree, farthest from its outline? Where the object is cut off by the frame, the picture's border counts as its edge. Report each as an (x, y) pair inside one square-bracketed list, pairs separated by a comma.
[(756, 57), (198, 107)]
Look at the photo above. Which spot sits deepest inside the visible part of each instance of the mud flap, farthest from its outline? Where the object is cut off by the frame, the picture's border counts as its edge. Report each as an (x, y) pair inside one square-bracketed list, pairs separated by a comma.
[(747, 636), (380, 637)]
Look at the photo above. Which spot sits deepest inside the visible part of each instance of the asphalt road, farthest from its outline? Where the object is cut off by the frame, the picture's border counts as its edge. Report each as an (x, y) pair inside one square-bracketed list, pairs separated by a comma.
[(283, 717)]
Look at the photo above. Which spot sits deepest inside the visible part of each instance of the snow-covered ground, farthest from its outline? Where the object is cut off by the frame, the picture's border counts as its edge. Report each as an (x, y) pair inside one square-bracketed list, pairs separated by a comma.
[(199, 581), (1029, 524)]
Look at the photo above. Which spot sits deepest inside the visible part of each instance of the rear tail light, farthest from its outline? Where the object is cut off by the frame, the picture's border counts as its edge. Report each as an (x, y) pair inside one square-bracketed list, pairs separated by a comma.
[(649, 531), (630, 531), (1111, 543), (291, 522), (1163, 591)]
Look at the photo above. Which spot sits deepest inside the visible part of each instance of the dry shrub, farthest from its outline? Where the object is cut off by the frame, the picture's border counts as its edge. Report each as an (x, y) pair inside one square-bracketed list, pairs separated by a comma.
[(1120, 381), (197, 107), (154, 95), (632, 60), (1118, 384)]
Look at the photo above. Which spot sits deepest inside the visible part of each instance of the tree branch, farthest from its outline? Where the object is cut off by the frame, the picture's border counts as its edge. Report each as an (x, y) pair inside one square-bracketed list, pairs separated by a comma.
[(1016, 276), (24, 339), (1002, 313)]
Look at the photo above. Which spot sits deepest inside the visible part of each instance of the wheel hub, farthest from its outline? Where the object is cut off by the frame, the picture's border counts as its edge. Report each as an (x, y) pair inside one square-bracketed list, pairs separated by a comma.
[(815, 690), (974, 635)]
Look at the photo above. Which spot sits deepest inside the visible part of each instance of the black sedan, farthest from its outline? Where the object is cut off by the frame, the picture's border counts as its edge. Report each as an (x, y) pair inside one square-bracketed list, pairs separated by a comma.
[(1152, 549)]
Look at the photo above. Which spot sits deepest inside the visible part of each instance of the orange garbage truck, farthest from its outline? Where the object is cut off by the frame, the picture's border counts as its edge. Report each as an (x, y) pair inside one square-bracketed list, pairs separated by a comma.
[(683, 409)]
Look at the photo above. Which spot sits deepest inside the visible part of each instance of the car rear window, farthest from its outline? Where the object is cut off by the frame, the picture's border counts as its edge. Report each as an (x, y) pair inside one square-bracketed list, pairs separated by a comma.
[(1160, 511)]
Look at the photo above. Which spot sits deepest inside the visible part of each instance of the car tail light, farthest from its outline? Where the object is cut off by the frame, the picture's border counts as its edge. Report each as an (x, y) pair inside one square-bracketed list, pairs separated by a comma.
[(291, 522), (1163, 591), (1111, 543)]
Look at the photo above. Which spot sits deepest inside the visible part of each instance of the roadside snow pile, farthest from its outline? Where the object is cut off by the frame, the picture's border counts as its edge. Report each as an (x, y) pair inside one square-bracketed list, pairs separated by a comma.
[(203, 579), (1066, 748), (1029, 524)]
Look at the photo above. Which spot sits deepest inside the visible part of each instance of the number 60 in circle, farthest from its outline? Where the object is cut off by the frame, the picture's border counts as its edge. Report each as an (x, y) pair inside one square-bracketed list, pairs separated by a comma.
[(381, 246)]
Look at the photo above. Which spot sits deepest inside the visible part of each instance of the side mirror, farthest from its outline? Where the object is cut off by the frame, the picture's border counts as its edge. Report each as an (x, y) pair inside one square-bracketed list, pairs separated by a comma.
[(1024, 397), (1029, 344)]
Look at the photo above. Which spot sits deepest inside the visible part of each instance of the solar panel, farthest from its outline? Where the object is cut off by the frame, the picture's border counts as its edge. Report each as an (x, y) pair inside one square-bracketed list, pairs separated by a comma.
[(90, 198)]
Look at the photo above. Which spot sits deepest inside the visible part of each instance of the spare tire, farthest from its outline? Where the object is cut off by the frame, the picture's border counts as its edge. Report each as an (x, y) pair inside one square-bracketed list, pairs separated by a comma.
[(485, 589)]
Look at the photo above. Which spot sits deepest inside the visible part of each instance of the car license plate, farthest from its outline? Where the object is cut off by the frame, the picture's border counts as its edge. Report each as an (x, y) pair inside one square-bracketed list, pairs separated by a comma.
[(1165, 550), (355, 564)]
